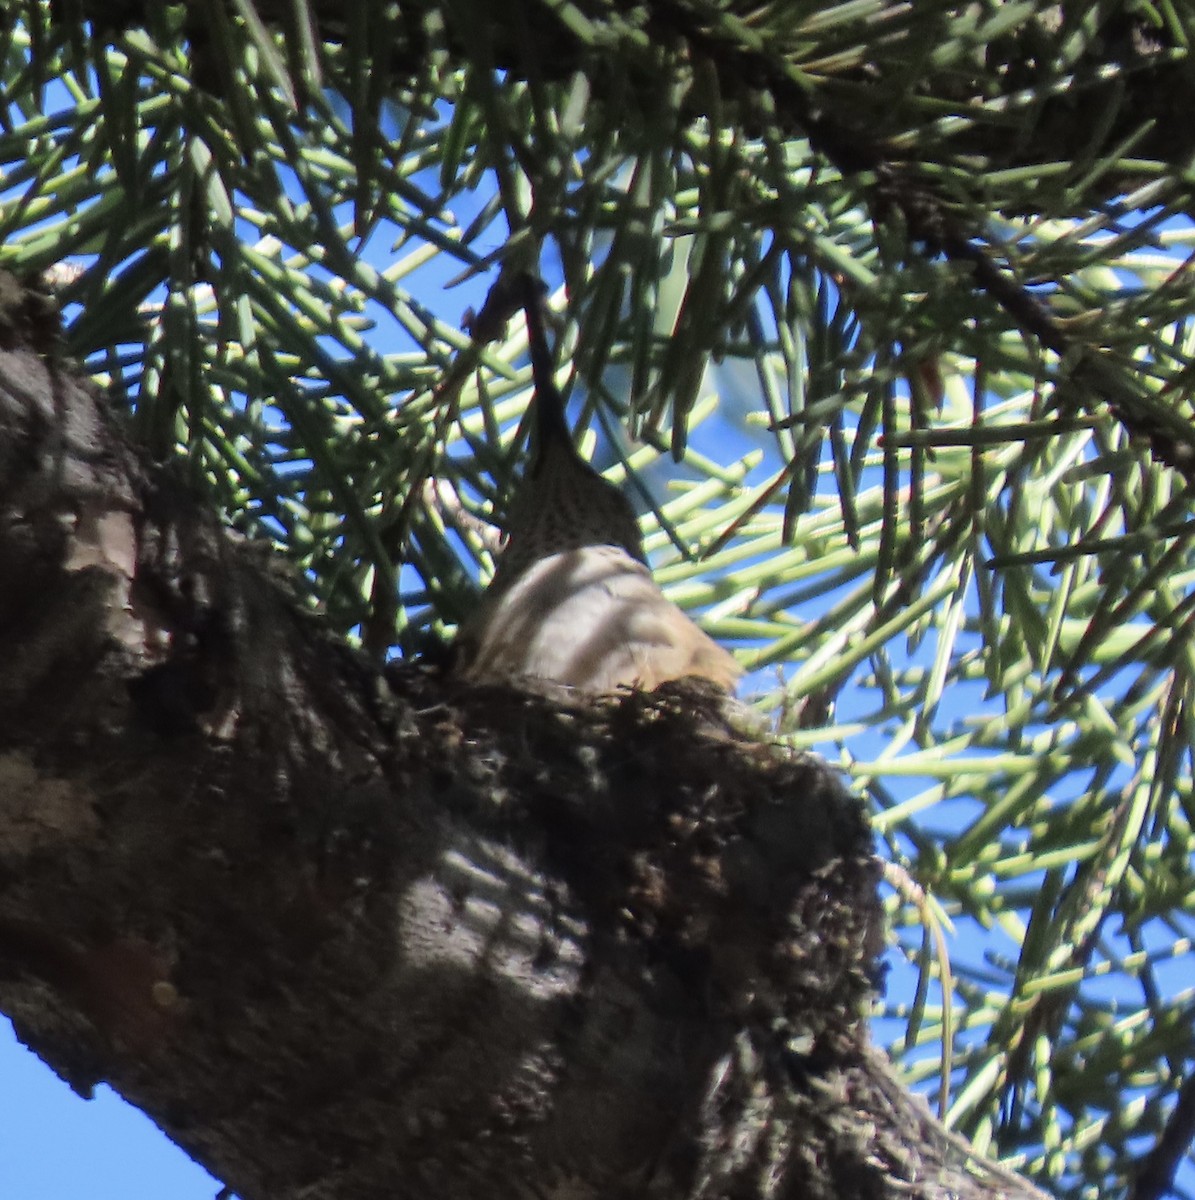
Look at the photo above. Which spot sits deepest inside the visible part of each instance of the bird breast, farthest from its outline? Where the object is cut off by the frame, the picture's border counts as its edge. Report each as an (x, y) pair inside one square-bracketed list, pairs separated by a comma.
[(590, 618)]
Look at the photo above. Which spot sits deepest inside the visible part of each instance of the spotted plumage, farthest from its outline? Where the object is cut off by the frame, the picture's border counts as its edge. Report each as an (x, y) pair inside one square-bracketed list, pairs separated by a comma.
[(572, 599)]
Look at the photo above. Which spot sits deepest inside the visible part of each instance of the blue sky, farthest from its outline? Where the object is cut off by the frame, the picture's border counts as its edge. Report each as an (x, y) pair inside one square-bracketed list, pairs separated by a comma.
[(57, 1146), (54, 1145)]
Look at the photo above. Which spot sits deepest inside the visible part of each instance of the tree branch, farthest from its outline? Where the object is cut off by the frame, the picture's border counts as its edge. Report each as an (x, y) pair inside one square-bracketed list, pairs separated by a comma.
[(343, 936), (1121, 91)]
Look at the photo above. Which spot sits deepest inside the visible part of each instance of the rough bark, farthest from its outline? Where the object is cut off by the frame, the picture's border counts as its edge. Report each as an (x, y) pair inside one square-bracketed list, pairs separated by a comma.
[(346, 936)]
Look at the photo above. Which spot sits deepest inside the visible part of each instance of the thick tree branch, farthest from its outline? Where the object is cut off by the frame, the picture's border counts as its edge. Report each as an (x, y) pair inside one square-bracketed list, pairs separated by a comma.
[(348, 937)]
